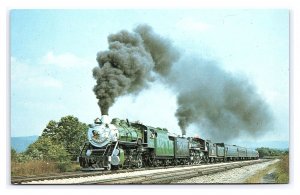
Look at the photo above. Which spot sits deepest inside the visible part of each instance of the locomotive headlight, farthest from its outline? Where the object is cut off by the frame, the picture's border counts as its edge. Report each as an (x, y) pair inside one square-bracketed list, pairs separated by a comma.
[(88, 153)]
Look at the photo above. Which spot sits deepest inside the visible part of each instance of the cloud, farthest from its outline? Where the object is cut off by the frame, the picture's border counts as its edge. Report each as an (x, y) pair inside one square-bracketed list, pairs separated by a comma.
[(45, 81), (41, 105), (44, 91), (27, 76), (190, 24), (65, 60), (51, 71)]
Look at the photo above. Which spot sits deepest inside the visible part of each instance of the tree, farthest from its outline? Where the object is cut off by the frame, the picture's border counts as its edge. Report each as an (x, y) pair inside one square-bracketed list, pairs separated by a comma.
[(45, 149), (50, 129), (13, 155), (69, 132)]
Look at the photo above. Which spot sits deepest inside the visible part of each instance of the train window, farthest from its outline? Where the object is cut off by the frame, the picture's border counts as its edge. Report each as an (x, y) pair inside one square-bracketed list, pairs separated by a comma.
[(153, 134)]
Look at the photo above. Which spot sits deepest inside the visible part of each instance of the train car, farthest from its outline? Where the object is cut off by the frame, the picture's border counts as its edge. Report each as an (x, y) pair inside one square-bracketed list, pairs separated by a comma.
[(182, 150), (163, 148), (220, 152), (212, 151), (242, 153), (252, 154), (231, 152)]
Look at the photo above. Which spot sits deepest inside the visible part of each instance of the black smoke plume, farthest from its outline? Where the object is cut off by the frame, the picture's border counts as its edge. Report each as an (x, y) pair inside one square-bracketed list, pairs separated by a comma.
[(221, 104), (133, 60)]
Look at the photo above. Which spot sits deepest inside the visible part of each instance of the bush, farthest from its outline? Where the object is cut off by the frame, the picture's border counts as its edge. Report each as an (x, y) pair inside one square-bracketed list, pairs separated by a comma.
[(45, 149), (64, 166)]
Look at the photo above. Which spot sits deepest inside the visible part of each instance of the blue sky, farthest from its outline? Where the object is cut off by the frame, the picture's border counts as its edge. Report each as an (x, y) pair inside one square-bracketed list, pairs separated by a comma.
[(53, 53)]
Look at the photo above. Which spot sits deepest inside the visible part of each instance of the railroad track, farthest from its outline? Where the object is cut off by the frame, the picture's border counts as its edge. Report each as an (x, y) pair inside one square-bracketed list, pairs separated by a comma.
[(170, 176), (160, 177), (52, 176), (22, 179)]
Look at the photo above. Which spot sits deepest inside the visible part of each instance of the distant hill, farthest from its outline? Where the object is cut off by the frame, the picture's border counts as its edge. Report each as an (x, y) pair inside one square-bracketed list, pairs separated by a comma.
[(20, 144), (275, 144), (281, 145)]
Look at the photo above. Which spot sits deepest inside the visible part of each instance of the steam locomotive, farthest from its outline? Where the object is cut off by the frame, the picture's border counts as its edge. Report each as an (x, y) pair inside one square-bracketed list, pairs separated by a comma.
[(116, 143)]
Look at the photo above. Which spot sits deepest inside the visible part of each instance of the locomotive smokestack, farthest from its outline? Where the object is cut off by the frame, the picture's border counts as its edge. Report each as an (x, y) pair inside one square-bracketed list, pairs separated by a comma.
[(105, 119)]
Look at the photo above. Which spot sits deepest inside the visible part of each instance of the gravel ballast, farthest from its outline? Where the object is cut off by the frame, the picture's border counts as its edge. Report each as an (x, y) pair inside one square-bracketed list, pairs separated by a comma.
[(237, 175)]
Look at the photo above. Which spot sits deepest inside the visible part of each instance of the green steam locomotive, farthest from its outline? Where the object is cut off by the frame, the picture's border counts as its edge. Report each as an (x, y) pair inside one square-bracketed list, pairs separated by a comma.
[(116, 143)]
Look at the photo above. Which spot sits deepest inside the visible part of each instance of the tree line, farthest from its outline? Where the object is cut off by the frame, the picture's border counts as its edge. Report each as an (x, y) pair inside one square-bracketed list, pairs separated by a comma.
[(269, 152)]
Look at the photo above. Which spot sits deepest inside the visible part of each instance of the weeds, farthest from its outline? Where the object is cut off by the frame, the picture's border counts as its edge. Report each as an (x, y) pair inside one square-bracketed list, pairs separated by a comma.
[(34, 167), (257, 177), (39, 167), (282, 173), (280, 170)]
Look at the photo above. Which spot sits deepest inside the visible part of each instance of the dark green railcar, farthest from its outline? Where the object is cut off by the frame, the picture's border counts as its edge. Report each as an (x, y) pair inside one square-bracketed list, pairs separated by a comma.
[(181, 147), (164, 147)]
